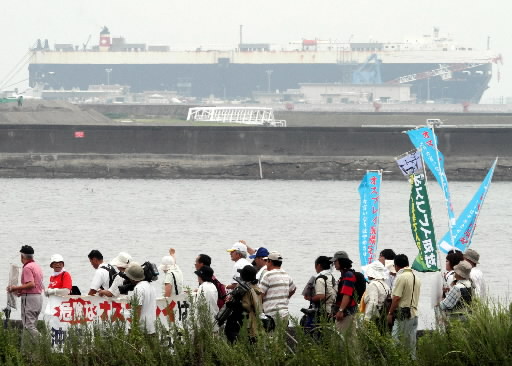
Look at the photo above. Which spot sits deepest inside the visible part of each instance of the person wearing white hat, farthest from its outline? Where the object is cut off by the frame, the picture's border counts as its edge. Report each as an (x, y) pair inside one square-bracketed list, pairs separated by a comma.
[(173, 277), (60, 279), (121, 262), (238, 253), (376, 294)]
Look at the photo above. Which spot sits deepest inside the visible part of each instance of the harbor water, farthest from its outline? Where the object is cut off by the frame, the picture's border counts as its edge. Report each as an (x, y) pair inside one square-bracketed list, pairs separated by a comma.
[(300, 219)]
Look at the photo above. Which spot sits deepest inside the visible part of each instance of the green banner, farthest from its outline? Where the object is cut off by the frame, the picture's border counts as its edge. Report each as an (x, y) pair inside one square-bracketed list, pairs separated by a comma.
[(422, 225)]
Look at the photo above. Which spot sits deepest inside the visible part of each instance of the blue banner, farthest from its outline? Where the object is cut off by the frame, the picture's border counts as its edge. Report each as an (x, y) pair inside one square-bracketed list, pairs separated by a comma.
[(424, 139), (369, 191), (466, 223)]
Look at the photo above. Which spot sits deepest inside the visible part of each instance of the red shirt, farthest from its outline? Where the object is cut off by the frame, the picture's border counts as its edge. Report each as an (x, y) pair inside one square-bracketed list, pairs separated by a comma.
[(62, 280)]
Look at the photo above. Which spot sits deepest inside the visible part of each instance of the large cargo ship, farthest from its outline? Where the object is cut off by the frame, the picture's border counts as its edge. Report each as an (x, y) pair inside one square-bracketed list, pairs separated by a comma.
[(436, 68)]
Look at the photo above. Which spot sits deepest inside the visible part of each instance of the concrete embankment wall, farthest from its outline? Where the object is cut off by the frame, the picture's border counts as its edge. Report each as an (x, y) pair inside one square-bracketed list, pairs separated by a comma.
[(236, 152)]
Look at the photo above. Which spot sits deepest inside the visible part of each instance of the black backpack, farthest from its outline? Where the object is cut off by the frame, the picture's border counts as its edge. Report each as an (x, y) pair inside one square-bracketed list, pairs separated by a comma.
[(112, 273)]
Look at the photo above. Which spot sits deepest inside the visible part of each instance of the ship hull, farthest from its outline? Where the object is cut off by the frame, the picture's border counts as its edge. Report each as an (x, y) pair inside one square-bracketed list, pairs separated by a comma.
[(236, 80)]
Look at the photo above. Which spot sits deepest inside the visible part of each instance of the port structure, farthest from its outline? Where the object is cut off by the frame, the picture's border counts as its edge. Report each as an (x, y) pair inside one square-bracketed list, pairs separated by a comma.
[(242, 115)]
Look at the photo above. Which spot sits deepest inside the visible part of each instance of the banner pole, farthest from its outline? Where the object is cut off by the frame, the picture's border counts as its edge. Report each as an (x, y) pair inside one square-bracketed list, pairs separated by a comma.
[(450, 226)]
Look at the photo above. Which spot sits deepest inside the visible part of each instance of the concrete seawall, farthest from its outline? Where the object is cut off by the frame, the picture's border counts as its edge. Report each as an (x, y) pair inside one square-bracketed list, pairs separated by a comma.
[(236, 152)]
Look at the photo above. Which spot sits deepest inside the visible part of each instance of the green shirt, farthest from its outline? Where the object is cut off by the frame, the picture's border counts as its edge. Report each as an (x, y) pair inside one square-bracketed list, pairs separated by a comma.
[(403, 288)]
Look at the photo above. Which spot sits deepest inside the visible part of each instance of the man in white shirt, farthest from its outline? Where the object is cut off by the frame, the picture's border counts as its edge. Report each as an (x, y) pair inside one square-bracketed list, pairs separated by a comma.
[(121, 262), (207, 292), (260, 262), (101, 279), (277, 288), (477, 277), (238, 253), (144, 298)]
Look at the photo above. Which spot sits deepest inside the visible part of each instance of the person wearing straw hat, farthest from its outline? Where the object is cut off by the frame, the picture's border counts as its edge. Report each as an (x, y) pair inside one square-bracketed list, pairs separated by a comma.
[(377, 291), (173, 277), (121, 262), (477, 277), (60, 279), (144, 298), (460, 295)]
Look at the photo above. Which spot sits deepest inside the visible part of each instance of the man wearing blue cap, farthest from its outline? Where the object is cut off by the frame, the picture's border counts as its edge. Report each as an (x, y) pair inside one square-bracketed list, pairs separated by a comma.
[(260, 262)]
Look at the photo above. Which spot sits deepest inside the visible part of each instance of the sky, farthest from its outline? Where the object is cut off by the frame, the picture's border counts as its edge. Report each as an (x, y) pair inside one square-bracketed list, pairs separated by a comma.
[(193, 23)]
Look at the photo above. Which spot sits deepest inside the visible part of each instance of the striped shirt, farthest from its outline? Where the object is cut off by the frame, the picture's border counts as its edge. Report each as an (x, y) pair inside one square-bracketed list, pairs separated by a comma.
[(276, 286), (346, 287)]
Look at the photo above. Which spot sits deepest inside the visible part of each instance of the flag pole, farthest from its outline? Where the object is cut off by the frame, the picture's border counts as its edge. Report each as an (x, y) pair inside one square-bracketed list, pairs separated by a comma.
[(450, 224)]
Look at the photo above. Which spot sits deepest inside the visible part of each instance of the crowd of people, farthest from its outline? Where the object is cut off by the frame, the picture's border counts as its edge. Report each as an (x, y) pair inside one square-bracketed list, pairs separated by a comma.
[(259, 290)]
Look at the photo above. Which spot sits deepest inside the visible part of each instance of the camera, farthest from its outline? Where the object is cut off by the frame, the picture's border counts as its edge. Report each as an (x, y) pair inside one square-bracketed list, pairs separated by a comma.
[(150, 274)]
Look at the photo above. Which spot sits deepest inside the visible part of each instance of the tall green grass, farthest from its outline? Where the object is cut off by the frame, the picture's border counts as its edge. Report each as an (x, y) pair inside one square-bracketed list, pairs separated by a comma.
[(484, 339)]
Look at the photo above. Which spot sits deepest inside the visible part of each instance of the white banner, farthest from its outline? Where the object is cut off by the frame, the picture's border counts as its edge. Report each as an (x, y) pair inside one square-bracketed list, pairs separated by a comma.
[(63, 311)]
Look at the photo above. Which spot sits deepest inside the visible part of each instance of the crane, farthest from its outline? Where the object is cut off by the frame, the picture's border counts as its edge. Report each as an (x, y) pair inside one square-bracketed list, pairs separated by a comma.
[(86, 43)]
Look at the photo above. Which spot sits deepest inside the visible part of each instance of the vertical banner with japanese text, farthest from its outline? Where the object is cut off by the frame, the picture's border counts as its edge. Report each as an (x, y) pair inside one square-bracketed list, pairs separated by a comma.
[(422, 225), (369, 191), (466, 222), (424, 139)]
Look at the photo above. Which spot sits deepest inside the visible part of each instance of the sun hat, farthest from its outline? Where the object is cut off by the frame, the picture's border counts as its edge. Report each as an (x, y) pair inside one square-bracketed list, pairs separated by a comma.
[(260, 253), (463, 269), (472, 255), (27, 249), (56, 258), (241, 247), (205, 273), (390, 265), (168, 263), (134, 272), (340, 255), (375, 270), (275, 256), (122, 260)]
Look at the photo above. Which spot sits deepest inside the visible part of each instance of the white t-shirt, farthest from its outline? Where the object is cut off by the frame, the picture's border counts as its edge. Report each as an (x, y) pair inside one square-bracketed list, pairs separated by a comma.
[(208, 292), (100, 280), (145, 296), (261, 273), (276, 286), (114, 289), (239, 264), (477, 277), (176, 281)]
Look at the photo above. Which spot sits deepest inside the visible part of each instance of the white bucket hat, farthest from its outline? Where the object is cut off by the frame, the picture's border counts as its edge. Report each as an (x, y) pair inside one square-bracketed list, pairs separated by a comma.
[(122, 260), (56, 258), (375, 270), (168, 263)]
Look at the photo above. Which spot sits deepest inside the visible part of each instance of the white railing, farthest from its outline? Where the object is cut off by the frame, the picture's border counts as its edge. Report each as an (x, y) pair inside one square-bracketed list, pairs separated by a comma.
[(242, 115)]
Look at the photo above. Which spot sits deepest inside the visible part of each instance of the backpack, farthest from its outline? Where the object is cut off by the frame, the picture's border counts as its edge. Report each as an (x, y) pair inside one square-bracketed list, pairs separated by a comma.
[(360, 286), (112, 273), (221, 292)]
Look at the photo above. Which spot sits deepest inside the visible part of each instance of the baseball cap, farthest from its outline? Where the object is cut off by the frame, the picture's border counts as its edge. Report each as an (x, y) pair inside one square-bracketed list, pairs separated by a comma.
[(261, 252), (241, 247), (205, 272), (275, 256)]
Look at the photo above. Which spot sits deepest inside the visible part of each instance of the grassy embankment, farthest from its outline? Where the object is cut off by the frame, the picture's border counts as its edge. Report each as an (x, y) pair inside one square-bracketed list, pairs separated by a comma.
[(485, 339)]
